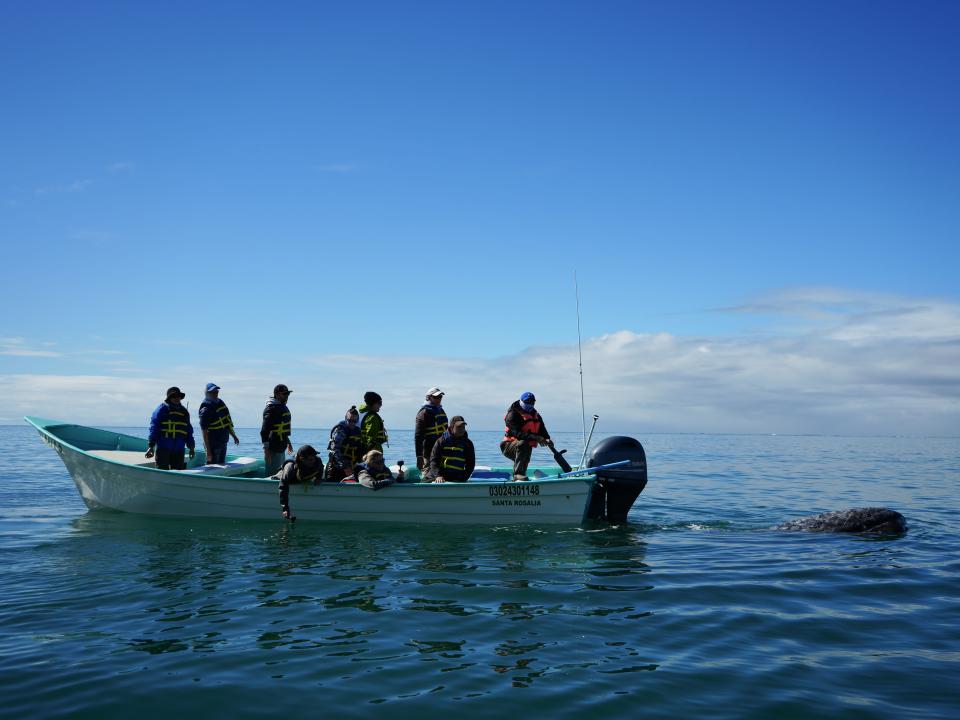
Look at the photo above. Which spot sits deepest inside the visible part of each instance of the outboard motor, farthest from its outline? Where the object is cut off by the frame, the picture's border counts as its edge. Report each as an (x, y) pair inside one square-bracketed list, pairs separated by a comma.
[(616, 488)]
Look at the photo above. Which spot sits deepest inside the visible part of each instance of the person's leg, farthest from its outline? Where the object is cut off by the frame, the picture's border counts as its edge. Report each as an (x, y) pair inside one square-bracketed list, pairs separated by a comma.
[(273, 461), (218, 455), (524, 451), (176, 460), (163, 458), (519, 452)]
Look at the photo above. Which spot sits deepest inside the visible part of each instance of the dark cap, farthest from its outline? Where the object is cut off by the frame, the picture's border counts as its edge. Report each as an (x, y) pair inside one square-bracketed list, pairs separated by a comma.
[(211, 387), (175, 392), (528, 397), (281, 388), (457, 420), (370, 397)]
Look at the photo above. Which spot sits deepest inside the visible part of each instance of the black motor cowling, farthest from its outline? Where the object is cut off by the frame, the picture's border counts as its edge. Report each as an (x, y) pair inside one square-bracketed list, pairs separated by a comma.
[(617, 488)]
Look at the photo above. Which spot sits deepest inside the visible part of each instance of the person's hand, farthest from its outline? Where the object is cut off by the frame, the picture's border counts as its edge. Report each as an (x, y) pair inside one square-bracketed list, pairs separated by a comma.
[(420, 463), (192, 453), (287, 515), (439, 479), (236, 440), (289, 448), (549, 443), (149, 453)]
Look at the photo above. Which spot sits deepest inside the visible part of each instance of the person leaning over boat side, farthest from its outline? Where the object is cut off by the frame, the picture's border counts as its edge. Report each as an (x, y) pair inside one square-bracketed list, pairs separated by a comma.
[(525, 430), (430, 424), (305, 469), (371, 427), (374, 474), (216, 425), (346, 446), (170, 431), (453, 456), (275, 430)]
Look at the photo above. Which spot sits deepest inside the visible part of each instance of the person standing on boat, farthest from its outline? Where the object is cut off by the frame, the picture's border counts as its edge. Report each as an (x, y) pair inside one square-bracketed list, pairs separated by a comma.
[(170, 431), (216, 425), (430, 424), (371, 427), (305, 469), (346, 446), (525, 430), (275, 430), (374, 474), (453, 456)]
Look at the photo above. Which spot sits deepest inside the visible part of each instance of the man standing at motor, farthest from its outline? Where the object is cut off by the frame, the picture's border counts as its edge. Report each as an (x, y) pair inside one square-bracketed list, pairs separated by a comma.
[(170, 431), (430, 424), (275, 430), (216, 426), (525, 430)]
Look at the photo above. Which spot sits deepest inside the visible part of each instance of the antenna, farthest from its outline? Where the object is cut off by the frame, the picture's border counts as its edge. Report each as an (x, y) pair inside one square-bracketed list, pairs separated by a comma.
[(583, 411)]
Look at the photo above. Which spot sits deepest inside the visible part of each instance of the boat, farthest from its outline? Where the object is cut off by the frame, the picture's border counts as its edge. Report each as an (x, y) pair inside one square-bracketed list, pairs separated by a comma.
[(111, 471)]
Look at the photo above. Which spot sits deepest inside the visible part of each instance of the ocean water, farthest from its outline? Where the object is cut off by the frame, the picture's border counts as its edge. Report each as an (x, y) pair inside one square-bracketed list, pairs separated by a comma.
[(694, 608)]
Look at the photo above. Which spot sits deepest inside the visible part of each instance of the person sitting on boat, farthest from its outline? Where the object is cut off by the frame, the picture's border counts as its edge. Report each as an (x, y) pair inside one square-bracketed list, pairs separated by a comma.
[(374, 474), (305, 469), (346, 446), (430, 424), (453, 457), (216, 425), (525, 430), (170, 431), (275, 430), (371, 426)]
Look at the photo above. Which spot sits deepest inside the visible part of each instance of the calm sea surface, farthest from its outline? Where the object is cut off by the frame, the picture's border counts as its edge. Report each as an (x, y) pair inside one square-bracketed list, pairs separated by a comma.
[(693, 609)]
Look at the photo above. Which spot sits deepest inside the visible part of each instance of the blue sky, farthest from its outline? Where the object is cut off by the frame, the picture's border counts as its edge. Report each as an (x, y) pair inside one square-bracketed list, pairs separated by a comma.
[(396, 195)]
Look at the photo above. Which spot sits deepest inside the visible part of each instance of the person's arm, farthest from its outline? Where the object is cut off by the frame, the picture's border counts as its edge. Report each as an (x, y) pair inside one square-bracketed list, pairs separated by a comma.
[(266, 426), (435, 455), (544, 434), (283, 476), (514, 422), (191, 443), (336, 454), (366, 479), (154, 435), (236, 440), (419, 435), (470, 457)]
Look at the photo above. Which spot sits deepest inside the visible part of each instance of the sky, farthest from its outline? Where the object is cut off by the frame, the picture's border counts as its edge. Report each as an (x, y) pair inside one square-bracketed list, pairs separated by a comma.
[(757, 203)]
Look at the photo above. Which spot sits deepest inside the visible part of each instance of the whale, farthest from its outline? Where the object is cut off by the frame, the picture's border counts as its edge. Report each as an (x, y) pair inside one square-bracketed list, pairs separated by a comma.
[(854, 520)]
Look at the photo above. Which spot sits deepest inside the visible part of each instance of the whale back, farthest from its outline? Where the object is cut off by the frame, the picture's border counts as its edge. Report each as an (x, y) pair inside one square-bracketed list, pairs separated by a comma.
[(854, 520)]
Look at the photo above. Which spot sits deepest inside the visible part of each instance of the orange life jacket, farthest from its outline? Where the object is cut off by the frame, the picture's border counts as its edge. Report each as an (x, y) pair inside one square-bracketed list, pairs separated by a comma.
[(531, 424)]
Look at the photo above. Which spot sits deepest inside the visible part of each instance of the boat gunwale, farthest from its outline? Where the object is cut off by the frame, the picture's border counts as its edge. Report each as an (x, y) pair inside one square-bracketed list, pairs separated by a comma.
[(45, 426)]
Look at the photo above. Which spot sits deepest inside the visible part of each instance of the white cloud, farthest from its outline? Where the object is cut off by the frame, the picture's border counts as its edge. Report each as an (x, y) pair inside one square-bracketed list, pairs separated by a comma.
[(73, 187), (18, 347), (867, 365)]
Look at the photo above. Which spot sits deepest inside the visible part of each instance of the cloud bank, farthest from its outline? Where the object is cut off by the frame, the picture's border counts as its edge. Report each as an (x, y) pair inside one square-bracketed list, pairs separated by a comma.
[(839, 363)]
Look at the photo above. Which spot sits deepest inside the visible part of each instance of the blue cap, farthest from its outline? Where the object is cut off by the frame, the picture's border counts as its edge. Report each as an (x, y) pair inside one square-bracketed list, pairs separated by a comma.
[(212, 386), (527, 397)]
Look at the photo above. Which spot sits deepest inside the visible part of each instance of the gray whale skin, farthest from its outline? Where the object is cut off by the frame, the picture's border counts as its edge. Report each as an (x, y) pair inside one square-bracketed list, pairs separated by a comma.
[(854, 520)]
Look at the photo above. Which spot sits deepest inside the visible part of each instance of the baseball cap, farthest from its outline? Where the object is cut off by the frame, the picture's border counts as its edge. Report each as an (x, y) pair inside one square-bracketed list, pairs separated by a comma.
[(434, 391), (528, 397), (175, 392), (212, 386)]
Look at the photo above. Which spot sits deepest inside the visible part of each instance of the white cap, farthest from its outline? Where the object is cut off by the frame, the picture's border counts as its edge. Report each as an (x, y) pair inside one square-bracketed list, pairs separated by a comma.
[(434, 391)]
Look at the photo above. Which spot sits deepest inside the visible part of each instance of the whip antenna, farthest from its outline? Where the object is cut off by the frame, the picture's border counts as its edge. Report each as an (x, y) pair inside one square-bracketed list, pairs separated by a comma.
[(583, 411)]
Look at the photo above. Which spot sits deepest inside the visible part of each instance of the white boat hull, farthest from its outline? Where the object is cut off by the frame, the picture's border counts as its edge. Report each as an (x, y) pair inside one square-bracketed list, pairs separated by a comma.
[(104, 483)]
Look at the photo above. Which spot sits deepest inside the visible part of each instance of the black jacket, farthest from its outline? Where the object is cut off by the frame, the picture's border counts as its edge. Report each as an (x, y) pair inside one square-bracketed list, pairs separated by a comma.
[(275, 429), (455, 450), (515, 422)]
